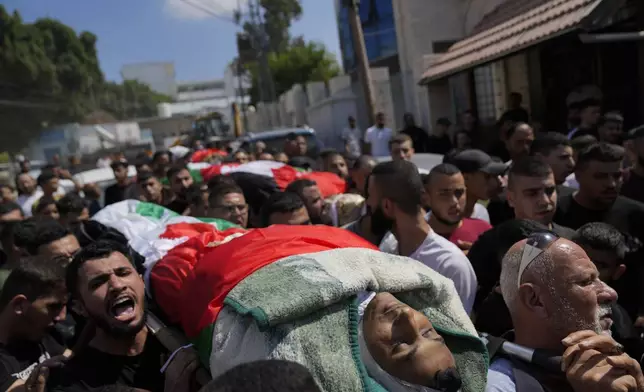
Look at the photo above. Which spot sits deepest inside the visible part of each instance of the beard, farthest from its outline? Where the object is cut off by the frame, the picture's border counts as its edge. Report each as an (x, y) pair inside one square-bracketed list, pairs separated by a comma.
[(447, 380), (640, 160), (380, 223), (445, 221), (116, 329), (566, 319)]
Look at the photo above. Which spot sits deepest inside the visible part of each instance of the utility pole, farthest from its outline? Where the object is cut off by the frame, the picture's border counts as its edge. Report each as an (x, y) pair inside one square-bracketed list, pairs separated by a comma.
[(361, 58)]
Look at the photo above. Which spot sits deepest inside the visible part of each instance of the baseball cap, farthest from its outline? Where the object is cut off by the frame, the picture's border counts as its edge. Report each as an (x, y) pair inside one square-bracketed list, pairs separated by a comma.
[(471, 161)]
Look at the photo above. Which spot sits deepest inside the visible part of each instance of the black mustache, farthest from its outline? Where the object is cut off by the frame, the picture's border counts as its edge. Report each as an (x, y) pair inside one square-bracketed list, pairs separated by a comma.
[(447, 380)]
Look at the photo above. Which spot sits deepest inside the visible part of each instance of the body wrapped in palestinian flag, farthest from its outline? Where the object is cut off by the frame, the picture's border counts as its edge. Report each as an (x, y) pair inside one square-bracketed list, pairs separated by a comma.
[(330, 184), (291, 292)]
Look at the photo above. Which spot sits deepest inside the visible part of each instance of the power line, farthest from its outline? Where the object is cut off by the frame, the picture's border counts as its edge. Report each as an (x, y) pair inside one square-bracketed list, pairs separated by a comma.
[(206, 10)]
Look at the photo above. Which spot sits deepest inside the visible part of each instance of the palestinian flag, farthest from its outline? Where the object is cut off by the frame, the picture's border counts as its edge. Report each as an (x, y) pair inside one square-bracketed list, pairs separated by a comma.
[(282, 174), (153, 230), (205, 154)]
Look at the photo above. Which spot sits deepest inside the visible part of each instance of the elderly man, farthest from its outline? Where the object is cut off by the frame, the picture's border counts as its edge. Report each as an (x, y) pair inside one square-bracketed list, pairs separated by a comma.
[(559, 304)]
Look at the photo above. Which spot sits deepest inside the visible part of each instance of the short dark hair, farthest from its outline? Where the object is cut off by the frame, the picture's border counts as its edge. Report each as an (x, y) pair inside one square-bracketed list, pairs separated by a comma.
[(328, 153), (8, 207), (142, 161), (514, 128), (363, 161), (400, 139), (119, 163), (446, 169), (96, 250), (71, 203), (291, 136), (601, 236), (33, 233), (266, 375), (280, 202), (400, 182), (600, 152), (34, 278), (583, 142), (145, 175), (159, 154), (298, 186), (46, 176), (218, 192), (176, 169), (219, 180), (40, 205), (546, 143), (528, 167)]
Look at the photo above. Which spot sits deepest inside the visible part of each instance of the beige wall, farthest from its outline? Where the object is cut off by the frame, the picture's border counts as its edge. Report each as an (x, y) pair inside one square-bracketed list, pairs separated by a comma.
[(420, 24), (166, 127)]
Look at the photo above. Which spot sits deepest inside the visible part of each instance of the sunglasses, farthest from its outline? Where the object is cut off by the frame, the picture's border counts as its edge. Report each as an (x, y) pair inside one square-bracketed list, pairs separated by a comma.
[(536, 244)]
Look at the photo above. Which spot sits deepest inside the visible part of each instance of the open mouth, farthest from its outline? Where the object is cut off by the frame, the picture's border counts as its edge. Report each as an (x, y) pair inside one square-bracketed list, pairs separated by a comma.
[(122, 309)]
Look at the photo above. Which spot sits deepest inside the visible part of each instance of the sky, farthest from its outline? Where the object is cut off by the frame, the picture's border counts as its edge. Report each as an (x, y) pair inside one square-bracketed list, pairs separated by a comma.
[(199, 44)]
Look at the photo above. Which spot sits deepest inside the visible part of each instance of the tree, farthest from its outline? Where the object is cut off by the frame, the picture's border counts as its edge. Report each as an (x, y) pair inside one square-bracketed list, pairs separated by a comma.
[(130, 100), (278, 16), (49, 75), (46, 74), (300, 63)]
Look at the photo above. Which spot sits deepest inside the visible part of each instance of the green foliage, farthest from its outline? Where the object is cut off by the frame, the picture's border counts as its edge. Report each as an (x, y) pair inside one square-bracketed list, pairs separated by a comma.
[(299, 64), (130, 100), (278, 16), (49, 75)]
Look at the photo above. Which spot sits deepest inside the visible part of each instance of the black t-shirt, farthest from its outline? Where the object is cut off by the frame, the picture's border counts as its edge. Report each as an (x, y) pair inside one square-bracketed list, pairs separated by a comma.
[(419, 137), (633, 188), (115, 193), (500, 211), (19, 359), (625, 214), (92, 369), (439, 144)]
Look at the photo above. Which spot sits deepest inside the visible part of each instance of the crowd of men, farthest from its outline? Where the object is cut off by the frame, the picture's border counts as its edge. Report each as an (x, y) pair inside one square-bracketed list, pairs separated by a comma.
[(542, 240)]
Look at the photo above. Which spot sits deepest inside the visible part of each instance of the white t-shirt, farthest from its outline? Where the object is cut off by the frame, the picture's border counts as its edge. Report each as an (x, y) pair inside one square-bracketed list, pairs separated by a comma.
[(480, 212), (379, 139), (26, 202), (571, 181), (445, 258)]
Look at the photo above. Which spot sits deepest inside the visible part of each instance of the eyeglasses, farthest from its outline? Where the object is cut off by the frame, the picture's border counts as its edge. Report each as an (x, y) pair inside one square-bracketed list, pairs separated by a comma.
[(233, 208), (536, 244)]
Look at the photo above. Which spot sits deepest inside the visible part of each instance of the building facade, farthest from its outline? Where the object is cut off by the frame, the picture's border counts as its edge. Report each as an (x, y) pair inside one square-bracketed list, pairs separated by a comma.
[(161, 77), (379, 28)]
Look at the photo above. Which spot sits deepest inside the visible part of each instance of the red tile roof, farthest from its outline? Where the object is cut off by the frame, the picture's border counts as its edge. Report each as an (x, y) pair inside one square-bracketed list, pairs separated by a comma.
[(537, 24)]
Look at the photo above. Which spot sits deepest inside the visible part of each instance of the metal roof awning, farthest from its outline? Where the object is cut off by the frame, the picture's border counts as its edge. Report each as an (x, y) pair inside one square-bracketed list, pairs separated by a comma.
[(554, 18)]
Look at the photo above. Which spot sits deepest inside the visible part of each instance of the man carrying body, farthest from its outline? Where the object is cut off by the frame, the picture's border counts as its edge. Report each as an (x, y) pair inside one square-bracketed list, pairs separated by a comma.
[(395, 204), (180, 182), (227, 202), (360, 172), (285, 208), (45, 238), (558, 303), (108, 291), (445, 187), (309, 192), (33, 299), (333, 162), (152, 190), (124, 188)]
